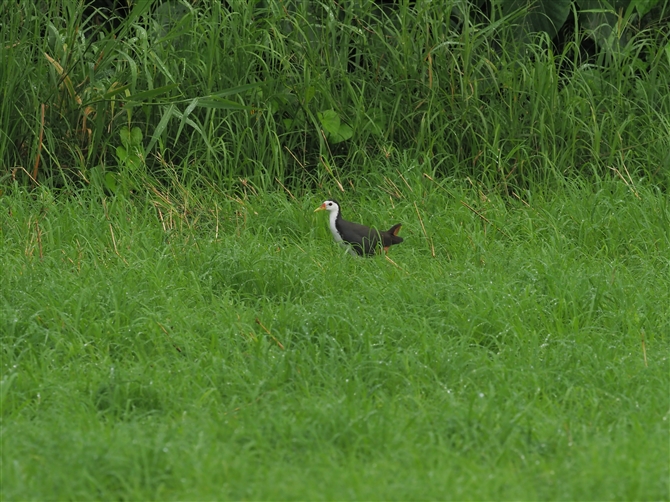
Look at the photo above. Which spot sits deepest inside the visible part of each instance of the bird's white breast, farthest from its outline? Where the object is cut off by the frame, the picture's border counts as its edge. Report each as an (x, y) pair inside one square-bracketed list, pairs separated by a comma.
[(333, 228)]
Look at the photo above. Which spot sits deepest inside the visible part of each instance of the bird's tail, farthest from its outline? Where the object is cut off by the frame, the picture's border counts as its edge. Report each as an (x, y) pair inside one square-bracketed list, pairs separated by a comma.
[(393, 232)]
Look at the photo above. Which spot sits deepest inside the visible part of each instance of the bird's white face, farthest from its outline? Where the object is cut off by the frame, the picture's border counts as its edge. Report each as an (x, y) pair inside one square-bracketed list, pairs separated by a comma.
[(328, 205), (332, 207)]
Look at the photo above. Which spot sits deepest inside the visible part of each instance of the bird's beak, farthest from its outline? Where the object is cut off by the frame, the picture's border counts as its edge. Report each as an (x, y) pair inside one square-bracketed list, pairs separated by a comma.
[(321, 207)]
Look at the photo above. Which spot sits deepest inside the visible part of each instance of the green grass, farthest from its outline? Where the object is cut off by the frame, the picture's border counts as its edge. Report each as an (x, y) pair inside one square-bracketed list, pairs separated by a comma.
[(174, 325), (216, 347)]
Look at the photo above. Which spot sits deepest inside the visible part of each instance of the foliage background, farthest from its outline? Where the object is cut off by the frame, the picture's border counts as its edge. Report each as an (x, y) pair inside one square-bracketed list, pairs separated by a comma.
[(306, 92)]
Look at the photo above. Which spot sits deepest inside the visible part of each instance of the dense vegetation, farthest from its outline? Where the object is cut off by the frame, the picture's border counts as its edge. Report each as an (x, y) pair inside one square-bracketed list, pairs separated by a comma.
[(305, 92), (176, 323)]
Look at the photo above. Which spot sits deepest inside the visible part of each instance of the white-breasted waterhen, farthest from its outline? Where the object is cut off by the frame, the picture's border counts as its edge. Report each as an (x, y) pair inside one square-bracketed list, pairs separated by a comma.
[(360, 239)]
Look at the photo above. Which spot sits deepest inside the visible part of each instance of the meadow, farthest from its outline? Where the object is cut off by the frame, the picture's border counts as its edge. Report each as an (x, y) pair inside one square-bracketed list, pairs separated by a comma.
[(226, 348), (176, 323)]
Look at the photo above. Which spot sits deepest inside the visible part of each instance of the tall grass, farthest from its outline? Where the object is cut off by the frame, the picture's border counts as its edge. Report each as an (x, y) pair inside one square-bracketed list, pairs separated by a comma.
[(239, 90)]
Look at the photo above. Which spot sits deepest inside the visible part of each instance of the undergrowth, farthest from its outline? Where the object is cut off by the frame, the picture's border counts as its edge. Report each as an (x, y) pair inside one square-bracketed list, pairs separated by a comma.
[(304, 92)]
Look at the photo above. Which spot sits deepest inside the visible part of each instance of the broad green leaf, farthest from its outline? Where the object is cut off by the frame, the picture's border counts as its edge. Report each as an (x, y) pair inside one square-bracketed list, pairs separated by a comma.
[(644, 6), (602, 19), (110, 182), (134, 162), (124, 133), (136, 136), (539, 15), (344, 133), (330, 121)]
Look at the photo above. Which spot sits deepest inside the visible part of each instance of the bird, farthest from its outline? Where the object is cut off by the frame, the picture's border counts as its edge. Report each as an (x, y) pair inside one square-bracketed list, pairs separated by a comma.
[(360, 240)]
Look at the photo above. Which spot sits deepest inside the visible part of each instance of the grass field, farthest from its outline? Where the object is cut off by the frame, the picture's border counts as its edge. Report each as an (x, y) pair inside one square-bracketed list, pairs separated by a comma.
[(182, 346), (176, 322)]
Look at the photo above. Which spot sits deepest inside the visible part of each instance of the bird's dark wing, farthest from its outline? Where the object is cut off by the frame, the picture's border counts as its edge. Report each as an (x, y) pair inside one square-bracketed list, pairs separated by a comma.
[(365, 240), (361, 237)]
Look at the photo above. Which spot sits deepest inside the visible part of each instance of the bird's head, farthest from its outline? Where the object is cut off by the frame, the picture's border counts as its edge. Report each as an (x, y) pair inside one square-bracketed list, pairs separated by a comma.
[(329, 205)]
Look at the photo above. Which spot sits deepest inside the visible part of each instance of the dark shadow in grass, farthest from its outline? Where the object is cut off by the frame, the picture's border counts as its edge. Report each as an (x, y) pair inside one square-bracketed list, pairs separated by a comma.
[(125, 399), (269, 277)]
